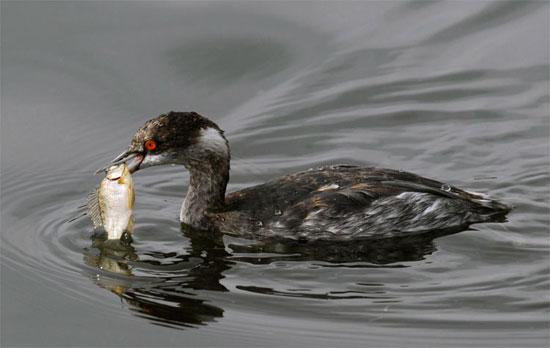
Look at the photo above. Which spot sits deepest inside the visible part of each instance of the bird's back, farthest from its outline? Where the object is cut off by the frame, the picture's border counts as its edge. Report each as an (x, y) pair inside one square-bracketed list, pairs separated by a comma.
[(350, 202)]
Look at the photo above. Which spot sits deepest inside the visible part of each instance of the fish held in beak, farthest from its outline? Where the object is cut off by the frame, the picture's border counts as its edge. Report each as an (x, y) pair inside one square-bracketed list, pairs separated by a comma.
[(111, 205)]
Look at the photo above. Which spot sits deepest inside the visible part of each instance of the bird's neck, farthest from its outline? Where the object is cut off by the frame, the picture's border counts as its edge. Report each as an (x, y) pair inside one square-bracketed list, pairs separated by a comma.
[(206, 193)]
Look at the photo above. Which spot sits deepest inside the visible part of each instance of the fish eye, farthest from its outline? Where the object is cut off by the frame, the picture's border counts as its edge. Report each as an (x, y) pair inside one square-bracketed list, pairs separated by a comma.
[(150, 145)]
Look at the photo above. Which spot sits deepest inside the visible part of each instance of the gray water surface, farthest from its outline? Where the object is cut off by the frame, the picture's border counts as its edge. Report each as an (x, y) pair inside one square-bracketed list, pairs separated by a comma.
[(457, 91)]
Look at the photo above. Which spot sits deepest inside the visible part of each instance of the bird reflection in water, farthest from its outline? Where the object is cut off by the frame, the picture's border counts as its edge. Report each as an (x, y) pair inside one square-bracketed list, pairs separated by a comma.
[(387, 252), (170, 295)]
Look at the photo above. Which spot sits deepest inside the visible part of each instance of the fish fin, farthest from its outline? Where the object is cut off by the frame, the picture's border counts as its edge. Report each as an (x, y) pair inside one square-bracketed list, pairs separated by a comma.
[(130, 227), (131, 195), (94, 210)]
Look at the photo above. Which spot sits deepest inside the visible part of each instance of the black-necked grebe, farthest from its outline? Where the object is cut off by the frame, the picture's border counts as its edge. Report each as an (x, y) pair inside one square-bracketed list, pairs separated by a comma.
[(340, 202)]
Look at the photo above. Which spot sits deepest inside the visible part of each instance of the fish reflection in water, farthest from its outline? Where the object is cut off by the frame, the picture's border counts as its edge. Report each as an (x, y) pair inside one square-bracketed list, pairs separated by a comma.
[(173, 298), (166, 300)]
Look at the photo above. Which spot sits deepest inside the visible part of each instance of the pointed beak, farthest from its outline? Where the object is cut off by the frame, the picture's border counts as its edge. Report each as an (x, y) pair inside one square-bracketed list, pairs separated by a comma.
[(132, 159), (123, 157)]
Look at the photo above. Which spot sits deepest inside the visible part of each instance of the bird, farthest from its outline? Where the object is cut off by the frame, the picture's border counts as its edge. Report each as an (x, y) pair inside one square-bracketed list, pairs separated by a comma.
[(329, 203)]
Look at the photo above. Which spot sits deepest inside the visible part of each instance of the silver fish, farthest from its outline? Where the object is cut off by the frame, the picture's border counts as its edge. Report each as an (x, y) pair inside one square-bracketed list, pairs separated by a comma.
[(111, 204)]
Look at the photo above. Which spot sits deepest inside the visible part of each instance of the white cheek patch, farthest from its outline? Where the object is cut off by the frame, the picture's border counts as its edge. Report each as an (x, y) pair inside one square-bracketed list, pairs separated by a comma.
[(154, 160), (211, 139)]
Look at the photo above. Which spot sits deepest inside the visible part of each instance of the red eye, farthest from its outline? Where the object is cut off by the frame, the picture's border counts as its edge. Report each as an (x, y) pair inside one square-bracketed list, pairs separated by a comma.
[(150, 145)]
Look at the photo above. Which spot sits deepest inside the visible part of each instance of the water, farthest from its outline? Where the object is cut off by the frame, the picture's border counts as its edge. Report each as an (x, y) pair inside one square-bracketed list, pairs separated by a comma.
[(456, 91)]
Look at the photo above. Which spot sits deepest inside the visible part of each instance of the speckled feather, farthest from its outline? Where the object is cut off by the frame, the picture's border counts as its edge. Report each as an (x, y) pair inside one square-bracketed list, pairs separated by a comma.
[(345, 202)]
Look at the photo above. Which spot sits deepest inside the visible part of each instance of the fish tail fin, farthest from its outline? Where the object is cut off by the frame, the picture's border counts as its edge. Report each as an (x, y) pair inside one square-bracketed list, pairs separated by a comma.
[(94, 210)]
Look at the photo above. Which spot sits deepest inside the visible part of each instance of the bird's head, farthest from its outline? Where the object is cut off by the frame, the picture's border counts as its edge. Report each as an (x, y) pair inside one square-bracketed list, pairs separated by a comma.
[(185, 138)]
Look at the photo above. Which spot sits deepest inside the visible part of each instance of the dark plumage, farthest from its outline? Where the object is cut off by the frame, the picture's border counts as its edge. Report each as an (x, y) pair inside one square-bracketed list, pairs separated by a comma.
[(172, 130), (330, 203), (346, 202)]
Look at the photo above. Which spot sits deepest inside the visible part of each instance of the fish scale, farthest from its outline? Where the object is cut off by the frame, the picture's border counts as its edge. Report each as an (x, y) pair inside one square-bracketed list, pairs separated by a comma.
[(111, 205)]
